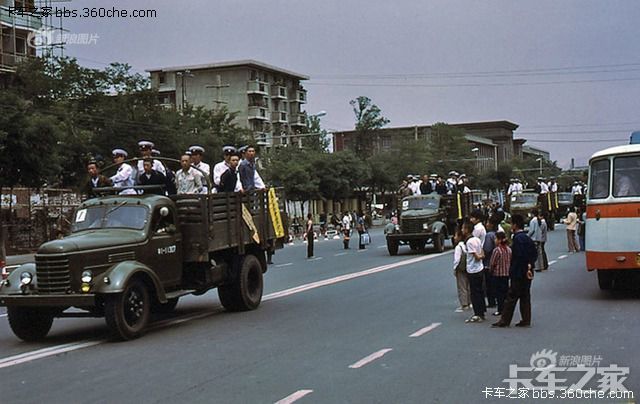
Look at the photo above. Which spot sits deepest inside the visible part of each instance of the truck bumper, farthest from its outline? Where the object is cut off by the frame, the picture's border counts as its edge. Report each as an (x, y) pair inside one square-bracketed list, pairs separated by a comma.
[(48, 300), (409, 236)]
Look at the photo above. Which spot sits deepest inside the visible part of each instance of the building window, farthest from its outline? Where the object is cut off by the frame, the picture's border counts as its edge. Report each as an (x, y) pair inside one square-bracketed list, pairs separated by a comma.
[(162, 78), (283, 116), (253, 75), (282, 92), (21, 45), (386, 142)]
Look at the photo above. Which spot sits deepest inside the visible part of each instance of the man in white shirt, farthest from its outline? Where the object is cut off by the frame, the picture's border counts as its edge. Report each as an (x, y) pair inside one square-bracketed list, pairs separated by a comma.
[(188, 180), (475, 268), (124, 177), (543, 187), (221, 167), (576, 189), (553, 185), (479, 230)]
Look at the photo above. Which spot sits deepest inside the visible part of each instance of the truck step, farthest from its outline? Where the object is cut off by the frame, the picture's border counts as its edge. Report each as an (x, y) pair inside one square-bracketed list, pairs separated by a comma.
[(178, 293)]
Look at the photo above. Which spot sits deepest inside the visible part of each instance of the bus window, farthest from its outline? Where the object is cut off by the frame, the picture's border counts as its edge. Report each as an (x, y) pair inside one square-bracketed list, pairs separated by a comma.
[(599, 187), (626, 176)]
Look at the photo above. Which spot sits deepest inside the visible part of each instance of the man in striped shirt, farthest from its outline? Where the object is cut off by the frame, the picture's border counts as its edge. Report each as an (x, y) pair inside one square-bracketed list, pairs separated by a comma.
[(500, 262)]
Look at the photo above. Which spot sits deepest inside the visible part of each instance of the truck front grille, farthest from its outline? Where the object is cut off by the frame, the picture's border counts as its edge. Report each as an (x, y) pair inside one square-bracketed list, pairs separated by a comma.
[(53, 274), (412, 225)]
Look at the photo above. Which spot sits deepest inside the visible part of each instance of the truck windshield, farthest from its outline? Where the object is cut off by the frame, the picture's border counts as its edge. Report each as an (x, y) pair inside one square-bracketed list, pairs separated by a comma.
[(565, 197), (525, 199), (420, 203), (112, 216)]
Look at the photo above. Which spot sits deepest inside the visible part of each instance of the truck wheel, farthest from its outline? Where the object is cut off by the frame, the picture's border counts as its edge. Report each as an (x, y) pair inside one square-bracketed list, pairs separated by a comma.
[(28, 323), (127, 313), (392, 246), (244, 292), (438, 242), (164, 308), (605, 279)]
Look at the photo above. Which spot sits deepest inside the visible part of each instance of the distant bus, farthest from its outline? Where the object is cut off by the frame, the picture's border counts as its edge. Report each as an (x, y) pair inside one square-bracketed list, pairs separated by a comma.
[(635, 138), (613, 214)]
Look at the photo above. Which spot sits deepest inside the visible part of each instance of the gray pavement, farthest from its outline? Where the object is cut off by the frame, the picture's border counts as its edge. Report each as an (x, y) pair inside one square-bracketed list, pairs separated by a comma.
[(302, 343)]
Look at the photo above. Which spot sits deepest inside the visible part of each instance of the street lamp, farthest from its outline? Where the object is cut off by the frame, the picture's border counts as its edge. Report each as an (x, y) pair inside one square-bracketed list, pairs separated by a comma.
[(475, 151), (540, 160)]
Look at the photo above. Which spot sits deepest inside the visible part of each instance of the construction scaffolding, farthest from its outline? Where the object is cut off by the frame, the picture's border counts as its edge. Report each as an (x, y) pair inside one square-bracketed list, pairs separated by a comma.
[(28, 28)]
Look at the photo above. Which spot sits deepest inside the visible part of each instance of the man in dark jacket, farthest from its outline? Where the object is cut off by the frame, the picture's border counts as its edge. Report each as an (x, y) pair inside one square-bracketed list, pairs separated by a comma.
[(523, 259), (96, 180), (152, 177)]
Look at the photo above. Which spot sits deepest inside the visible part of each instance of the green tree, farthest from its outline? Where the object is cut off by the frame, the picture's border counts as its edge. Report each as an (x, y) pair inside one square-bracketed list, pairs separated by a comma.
[(449, 150), (369, 118)]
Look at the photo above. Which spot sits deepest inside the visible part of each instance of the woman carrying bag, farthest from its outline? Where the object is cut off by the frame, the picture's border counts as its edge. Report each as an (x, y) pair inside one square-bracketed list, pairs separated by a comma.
[(364, 238)]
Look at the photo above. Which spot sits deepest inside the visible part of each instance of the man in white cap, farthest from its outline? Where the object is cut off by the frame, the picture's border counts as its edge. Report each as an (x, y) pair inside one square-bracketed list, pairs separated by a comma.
[(196, 159), (463, 183), (543, 188), (222, 166), (146, 147), (124, 177), (452, 183)]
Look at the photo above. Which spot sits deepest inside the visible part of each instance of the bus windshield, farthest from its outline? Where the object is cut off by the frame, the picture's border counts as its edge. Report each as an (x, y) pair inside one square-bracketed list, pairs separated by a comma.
[(599, 186), (112, 216), (626, 176)]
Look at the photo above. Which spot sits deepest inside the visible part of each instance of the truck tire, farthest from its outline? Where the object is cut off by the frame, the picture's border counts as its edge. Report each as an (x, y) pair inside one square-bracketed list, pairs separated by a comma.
[(164, 308), (392, 246), (28, 323), (127, 313), (605, 279), (438, 242), (244, 291)]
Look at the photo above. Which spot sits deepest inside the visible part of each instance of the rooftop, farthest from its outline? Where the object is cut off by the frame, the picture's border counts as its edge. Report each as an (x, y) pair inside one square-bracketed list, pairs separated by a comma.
[(230, 64)]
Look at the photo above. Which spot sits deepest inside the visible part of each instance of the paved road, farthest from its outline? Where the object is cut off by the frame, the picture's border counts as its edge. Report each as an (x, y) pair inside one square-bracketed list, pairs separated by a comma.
[(334, 329)]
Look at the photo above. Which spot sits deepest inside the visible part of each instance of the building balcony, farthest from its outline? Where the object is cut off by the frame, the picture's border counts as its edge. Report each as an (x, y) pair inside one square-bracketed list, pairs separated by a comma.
[(28, 22), (279, 92), (301, 96), (279, 117), (258, 113), (257, 87), (263, 138), (299, 120)]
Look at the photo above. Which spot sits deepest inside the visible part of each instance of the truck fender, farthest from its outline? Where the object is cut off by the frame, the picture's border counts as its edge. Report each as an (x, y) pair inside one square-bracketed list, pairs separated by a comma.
[(12, 284), (119, 275), (439, 227)]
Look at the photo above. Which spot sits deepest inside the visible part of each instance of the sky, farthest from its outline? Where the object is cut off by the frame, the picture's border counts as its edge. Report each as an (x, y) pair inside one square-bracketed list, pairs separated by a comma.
[(565, 71)]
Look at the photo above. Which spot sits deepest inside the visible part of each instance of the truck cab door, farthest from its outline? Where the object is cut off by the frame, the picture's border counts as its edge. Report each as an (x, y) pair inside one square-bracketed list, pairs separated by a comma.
[(165, 246)]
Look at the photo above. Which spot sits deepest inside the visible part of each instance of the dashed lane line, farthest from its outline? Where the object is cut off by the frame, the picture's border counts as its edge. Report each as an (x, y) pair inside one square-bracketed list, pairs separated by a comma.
[(284, 265), (58, 349), (339, 254), (562, 257), (294, 397), (368, 359), (425, 330), (552, 262)]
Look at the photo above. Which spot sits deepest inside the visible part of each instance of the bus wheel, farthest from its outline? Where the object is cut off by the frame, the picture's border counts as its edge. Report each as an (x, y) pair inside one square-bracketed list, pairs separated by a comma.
[(605, 279)]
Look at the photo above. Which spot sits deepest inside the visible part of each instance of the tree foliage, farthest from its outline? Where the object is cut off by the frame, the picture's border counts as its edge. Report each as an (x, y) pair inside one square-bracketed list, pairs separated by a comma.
[(369, 118)]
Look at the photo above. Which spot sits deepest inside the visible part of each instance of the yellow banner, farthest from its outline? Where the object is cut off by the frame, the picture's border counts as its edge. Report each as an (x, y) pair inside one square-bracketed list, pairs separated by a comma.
[(274, 212)]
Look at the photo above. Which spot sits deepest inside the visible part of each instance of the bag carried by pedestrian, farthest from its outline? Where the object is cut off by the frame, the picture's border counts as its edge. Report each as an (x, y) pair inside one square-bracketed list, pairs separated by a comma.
[(365, 238), (462, 265)]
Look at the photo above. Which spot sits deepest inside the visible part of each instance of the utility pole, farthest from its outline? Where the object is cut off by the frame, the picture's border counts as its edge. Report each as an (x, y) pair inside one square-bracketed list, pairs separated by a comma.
[(182, 75), (218, 86)]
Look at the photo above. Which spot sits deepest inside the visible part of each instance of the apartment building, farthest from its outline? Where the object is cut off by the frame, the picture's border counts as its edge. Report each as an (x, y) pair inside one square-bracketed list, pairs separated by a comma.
[(269, 100), (15, 28)]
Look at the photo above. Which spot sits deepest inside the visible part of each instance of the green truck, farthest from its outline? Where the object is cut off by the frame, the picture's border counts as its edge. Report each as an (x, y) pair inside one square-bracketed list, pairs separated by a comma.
[(130, 256), (425, 219)]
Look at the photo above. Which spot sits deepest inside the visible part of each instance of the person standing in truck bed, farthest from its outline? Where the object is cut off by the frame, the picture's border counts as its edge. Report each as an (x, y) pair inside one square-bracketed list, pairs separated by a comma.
[(188, 180)]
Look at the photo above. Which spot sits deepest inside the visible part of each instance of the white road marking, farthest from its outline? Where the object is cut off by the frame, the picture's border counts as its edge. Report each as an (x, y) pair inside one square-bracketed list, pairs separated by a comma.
[(44, 353), (370, 358), (284, 265), (562, 257), (552, 262), (58, 349), (314, 259), (347, 277), (3, 315), (381, 246), (363, 250), (294, 397), (425, 330), (339, 254)]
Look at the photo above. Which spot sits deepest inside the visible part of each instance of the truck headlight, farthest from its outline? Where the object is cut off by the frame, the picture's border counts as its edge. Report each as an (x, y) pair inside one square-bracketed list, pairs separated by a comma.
[(26, 278), (425, 226), (87, 277)]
